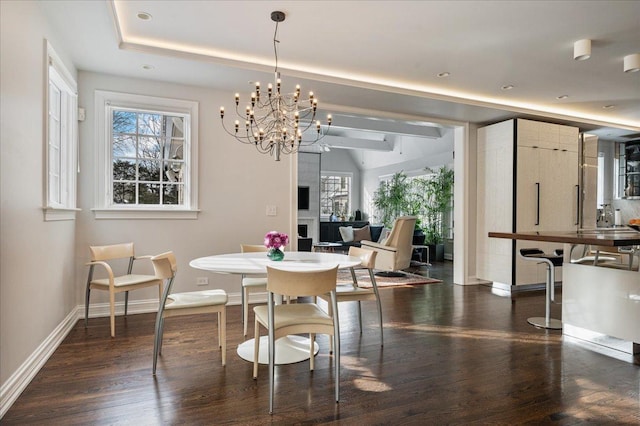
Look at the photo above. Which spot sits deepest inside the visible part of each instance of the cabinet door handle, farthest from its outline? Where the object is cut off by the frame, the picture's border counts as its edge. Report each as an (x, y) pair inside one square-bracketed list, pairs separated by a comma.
[(537, 203), (577, 205)]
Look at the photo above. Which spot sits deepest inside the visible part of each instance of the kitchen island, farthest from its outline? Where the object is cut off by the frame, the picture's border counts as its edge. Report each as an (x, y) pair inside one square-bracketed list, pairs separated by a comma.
[(600, 305)]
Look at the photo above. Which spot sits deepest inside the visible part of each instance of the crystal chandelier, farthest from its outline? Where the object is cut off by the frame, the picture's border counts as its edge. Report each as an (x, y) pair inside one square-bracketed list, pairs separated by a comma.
[(276, 122)]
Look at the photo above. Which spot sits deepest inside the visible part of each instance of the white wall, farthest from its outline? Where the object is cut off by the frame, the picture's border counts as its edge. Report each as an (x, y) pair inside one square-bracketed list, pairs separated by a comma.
[(236, 183), (42, 270), (37, 258)]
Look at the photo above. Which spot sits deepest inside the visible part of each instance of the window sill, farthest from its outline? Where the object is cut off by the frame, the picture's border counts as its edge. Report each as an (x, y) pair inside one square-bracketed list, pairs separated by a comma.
[(57, 213), (145, 214)]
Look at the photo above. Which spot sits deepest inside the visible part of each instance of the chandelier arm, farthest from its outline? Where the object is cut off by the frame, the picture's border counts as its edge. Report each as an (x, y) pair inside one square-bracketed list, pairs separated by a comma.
[(277, 122)]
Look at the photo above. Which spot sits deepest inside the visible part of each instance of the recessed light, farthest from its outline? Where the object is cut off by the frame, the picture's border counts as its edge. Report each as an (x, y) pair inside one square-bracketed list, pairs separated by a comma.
[(148, 67), (144, 16), (444, 74), (507, 87), (608, 106), (632, 63), (562, 97), (582, 50)]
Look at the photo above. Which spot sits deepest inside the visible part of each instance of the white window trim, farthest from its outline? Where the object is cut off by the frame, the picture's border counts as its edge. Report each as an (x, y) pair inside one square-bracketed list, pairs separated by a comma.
[(56, 72), (342, 174), (104, 207)]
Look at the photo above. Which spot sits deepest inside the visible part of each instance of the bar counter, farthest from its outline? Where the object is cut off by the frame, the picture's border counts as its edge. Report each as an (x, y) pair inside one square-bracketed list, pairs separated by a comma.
[(600, 305), (612, 237)]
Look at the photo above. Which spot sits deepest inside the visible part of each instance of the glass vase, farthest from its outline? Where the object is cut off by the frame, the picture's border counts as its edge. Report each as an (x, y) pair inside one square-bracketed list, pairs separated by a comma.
[(275, 254)]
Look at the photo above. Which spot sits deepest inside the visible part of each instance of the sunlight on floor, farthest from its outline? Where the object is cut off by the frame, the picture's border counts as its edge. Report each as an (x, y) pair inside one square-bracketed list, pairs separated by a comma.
[(464, 332), (367, 381)]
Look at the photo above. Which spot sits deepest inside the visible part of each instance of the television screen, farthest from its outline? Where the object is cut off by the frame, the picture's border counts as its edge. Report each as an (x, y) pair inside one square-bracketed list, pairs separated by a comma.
[(303, 198)]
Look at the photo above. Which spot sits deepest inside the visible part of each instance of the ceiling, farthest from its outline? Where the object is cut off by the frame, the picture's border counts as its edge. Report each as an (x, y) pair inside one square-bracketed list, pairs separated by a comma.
[(374, 64)]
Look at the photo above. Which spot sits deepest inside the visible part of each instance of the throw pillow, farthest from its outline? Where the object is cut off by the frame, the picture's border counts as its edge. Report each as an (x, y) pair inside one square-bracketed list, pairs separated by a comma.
[(346, 232), (363, 233)]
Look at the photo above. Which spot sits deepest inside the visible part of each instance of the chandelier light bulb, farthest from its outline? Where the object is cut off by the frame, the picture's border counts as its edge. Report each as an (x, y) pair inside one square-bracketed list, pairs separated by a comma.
[(277, 124)]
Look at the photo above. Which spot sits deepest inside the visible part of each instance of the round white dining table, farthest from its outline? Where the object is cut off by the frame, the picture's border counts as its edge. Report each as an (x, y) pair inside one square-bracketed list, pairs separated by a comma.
[(289, 349)]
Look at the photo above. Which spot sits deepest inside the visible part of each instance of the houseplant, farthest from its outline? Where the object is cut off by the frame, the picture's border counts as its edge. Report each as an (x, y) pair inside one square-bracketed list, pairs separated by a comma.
[(438, 194), (397, 197), (391, 199)]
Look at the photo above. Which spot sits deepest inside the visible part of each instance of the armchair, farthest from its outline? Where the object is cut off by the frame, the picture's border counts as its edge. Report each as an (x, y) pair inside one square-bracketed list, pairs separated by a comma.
[(394, 254)]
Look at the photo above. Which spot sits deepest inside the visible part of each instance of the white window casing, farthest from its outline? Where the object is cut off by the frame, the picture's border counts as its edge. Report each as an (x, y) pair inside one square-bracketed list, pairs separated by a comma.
[(105, 207), (61, 139)]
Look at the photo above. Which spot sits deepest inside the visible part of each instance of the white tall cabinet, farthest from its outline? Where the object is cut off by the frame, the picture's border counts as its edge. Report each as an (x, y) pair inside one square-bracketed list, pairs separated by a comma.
[(527, 181)]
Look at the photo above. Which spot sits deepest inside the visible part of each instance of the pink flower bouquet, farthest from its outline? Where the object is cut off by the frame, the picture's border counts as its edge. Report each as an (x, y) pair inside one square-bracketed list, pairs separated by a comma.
[(275, 240)]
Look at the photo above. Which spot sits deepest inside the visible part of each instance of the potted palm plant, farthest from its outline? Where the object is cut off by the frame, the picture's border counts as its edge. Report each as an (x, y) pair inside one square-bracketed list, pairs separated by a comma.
[(391, 199), (438, 194)]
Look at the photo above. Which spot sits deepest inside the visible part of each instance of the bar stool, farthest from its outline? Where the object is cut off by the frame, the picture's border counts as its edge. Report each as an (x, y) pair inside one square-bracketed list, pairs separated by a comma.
[(552, 260)]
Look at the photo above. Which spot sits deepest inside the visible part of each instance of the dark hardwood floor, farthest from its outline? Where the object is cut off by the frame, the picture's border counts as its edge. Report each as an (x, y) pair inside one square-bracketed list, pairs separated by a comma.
[(452, 355)]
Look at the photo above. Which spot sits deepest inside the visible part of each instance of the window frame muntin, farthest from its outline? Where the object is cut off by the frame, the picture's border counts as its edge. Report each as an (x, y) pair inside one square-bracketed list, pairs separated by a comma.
[(105, 102), (324, 173)]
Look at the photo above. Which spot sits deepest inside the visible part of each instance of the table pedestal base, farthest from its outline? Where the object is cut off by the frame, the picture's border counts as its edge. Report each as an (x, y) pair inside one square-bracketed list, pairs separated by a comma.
[(541, 322), (289, 350)]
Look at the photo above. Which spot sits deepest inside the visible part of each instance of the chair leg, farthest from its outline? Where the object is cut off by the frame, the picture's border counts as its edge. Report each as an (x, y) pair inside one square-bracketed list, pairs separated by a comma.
[(245, 308), (272, 367), (336, 359), (360, 315), (157, 341), (161, 335), (222, 325), (219, 332), (330, 313), (256, 349), (112, 312), (312, 340), (126, 302), (375, 291), (86, 306), (380, 320)]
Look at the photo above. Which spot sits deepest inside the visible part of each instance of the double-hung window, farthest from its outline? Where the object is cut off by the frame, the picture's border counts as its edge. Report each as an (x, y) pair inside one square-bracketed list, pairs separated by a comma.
[(148, 161), (61, 140), (335, 194)]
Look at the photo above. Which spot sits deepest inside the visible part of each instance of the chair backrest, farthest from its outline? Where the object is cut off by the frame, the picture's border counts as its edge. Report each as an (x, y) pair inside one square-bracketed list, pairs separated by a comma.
[(250, 248), (301, 283), (114, 251), (165, 267), (401, 237), (367, 257)]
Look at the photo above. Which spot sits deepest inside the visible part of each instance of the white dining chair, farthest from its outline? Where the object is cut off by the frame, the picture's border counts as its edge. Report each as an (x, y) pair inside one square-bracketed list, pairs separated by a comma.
[(285, 319), (189, 303), (354, 293)]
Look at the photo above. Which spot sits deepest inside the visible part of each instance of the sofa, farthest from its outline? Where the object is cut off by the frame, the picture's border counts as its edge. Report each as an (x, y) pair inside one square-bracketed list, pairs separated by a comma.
[(352, 233)]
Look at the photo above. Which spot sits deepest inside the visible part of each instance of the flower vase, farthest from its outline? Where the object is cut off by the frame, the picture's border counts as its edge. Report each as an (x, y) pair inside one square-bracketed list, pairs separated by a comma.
[(275, 254)]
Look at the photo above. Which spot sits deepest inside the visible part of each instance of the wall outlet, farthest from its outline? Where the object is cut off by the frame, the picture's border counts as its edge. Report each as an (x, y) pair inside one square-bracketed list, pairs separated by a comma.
[(201, 281), (272, 211)]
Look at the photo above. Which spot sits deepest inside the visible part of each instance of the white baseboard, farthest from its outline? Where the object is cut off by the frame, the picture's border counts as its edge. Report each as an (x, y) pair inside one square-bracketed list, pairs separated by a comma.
[(20, 379), (13, 387)]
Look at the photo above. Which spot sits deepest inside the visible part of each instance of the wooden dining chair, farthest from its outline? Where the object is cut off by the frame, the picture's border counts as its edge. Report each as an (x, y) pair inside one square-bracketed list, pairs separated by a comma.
[(102, 256), (353, 292), (189, 303), (282, 320)]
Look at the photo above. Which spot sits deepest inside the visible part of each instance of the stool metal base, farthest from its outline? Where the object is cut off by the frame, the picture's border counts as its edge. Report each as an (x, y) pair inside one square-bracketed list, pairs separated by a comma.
[(541, 322)]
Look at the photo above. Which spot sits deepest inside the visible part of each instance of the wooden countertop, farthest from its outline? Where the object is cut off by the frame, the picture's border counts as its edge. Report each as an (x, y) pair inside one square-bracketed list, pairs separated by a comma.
[(616, 237)]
